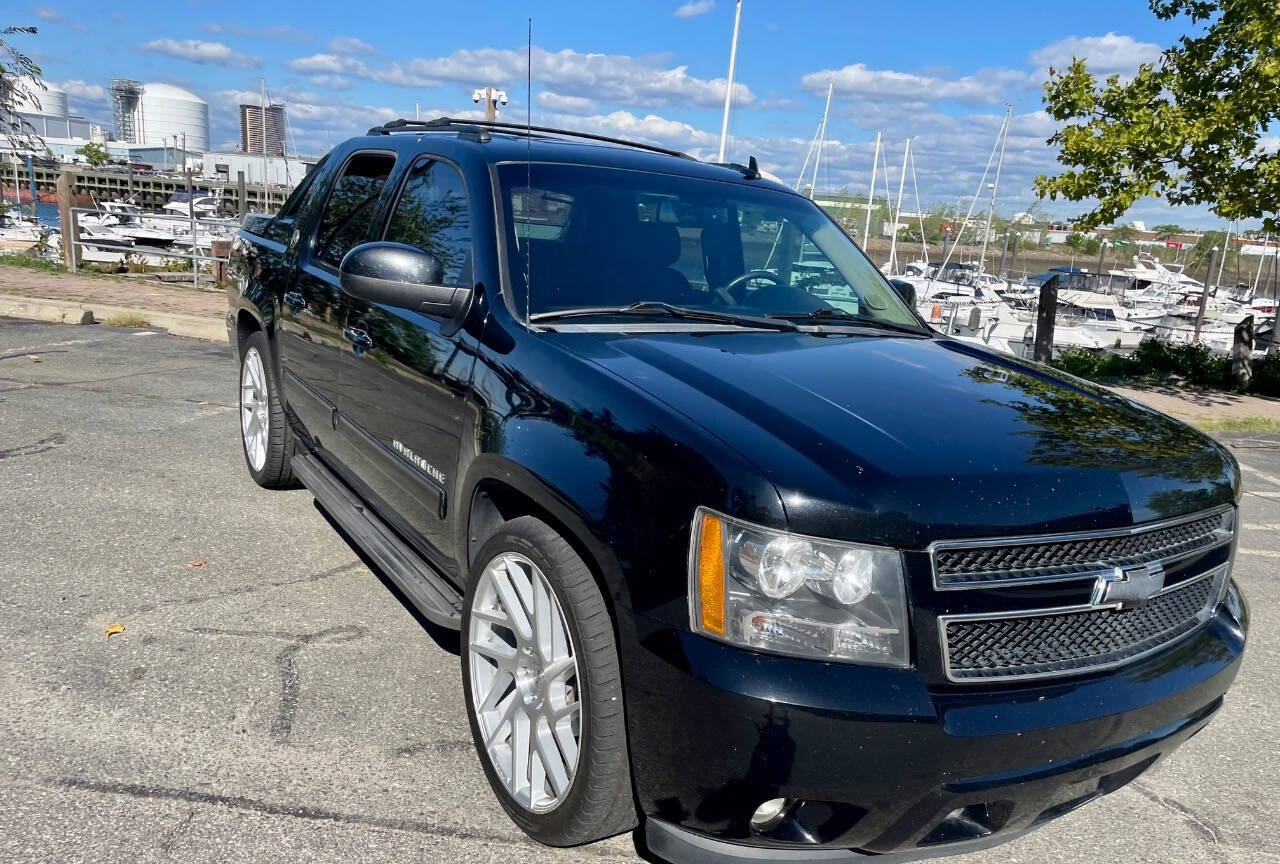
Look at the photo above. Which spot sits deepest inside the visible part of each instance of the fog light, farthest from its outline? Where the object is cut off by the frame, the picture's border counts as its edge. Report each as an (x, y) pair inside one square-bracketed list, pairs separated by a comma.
[(769, 814)]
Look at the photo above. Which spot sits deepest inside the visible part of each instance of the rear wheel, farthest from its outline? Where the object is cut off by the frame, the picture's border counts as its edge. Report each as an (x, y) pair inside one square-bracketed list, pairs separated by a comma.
[(264, 432), (543, 688)]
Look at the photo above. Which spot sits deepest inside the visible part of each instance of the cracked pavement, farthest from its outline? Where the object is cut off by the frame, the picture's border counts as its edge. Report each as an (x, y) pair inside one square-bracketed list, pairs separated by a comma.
[(278, 702)]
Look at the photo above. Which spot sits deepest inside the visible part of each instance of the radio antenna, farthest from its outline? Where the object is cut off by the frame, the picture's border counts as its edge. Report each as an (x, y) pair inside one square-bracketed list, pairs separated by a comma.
[(528, 167)]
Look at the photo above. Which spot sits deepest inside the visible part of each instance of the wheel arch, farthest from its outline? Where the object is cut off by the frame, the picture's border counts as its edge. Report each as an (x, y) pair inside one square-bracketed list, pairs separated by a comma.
[(497, 490)]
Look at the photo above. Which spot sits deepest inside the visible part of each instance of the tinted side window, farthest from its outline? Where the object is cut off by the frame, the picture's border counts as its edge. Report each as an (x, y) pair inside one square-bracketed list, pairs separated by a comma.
[(353, 203), (432, 215), (280, 228)]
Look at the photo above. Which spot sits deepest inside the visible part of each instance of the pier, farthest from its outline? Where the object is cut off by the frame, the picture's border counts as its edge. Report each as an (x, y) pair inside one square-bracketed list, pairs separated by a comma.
[(146, 189)]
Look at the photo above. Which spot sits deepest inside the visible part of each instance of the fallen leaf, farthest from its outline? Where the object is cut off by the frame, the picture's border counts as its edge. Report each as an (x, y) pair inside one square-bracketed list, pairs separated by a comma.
[(196, 564), (34, 358), (115, 630)]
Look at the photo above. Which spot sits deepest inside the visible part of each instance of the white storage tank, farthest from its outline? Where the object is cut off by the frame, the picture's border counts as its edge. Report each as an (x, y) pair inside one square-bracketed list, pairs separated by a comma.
[(168, 111), (53, 102)]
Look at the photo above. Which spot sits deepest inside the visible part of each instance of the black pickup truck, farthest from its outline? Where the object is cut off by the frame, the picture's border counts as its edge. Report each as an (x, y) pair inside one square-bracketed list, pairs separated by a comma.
[(742, 555)]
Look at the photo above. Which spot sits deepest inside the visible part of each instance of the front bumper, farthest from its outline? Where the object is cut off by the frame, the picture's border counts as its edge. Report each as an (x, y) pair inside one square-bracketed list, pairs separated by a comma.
[(875, 763)]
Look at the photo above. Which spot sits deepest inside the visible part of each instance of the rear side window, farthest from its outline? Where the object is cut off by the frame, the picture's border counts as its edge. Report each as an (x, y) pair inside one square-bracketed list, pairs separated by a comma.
[(349, 213), (432, 214)]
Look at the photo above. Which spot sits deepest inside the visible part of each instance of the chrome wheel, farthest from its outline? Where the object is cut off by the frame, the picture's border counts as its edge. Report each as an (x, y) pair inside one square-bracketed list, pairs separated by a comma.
[(253, 408), (524, 682)]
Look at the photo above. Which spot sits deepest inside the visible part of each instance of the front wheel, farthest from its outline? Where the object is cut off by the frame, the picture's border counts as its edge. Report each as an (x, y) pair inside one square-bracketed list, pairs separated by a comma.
[(543, 688)]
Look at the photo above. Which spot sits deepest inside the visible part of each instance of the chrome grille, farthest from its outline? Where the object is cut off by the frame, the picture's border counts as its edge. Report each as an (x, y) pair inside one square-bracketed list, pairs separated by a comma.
[(1084, 638), (993, 563)]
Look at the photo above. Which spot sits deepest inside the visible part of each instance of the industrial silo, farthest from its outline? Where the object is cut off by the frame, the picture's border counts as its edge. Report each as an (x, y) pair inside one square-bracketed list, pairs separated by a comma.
[(168, 111), (50, 102)]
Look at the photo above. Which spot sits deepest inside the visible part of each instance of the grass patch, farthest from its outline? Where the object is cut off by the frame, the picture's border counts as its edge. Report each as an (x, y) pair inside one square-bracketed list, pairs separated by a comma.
[(128, 319), (1237, 425), (32, 262), (1158, 362)]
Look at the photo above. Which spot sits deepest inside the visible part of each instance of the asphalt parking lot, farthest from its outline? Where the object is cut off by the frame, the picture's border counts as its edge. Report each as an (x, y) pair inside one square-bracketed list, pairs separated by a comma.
[(269, 699)]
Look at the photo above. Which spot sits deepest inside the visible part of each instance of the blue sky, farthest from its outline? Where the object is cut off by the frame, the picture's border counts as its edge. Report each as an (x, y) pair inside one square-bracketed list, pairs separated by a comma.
[(939, 72)]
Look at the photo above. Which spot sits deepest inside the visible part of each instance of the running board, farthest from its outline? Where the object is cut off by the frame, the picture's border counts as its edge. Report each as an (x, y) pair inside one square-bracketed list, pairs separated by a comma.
[(430, 592)]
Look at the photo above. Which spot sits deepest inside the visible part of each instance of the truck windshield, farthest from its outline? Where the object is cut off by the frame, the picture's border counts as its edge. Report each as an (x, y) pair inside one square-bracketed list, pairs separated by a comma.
[(597, 238)]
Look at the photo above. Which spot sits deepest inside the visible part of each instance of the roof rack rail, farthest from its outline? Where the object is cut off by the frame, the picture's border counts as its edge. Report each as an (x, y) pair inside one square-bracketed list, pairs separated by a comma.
[(454, 122)]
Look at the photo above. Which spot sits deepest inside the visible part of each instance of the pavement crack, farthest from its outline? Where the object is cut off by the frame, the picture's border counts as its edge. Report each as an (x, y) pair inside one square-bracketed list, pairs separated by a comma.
[(166, 844), (44, 445), (1201, 826), (286, 663), (245, 589)]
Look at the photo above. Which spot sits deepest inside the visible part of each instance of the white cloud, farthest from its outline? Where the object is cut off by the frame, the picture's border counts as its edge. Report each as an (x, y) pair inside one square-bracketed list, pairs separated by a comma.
[(989, 86), (48, 13), (1112, 54), (200, 51), (330, 64), (82, 93), (349, 45), (617, 78), (565, 104), (694, 8)]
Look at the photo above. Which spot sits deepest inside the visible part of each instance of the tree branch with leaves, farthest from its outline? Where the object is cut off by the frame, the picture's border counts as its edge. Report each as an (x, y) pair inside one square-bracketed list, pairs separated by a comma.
[(20, 85), (1190, 128)]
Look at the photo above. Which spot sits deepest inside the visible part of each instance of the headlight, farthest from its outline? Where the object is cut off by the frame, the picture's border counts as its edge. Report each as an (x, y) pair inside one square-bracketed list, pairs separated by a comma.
[(782, 592)]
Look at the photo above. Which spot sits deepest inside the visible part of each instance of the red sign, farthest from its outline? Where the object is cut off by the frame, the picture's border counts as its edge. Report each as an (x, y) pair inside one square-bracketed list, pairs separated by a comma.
[(1173, 244)]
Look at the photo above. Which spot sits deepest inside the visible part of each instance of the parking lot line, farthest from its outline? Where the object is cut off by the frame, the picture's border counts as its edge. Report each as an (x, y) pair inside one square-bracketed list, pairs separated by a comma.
[(1262, 475)]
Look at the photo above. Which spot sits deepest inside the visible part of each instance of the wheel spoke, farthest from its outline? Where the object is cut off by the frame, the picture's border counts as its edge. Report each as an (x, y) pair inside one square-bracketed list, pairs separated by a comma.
[(498, 651), (512, 708), (543, 619), (521, 751), (502, 582), (499, 685), (552, 760), (554, 671)]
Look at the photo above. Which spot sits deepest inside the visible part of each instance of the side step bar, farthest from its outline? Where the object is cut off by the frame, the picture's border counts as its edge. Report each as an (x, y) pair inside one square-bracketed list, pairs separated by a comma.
[(430, 592)]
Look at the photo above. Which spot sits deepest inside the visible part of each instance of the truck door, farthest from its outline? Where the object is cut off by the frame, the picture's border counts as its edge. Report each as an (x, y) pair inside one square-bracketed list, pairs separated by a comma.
[(316, 336), (404, 378)]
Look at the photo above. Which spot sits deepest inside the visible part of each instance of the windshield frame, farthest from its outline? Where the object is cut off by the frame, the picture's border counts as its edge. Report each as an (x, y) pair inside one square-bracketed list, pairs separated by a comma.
[(506, 257)]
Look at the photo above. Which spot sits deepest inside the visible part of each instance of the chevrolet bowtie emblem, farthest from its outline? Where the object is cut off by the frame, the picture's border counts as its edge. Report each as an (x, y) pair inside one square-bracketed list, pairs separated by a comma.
[(1128, 586)]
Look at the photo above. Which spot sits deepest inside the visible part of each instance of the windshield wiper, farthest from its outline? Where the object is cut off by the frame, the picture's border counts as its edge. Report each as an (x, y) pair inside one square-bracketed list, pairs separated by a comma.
[(840, 316), (651, 308)]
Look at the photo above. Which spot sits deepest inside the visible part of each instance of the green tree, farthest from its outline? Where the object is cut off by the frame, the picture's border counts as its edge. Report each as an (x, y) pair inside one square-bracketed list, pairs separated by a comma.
[(19, 84), (1168, 229), (1083, 243), (93, 153), (1189, 128), (1123, 234)]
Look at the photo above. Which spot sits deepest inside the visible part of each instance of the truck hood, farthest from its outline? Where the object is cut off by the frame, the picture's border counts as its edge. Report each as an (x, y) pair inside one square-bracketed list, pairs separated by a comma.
[(904, 440)]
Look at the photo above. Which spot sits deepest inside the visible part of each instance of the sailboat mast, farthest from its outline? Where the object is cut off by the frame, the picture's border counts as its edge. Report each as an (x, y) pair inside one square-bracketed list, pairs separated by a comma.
[(263, 103), (807, 156), (871, 196), (728, 90), (995, 186), (897, 210), (822, 139)]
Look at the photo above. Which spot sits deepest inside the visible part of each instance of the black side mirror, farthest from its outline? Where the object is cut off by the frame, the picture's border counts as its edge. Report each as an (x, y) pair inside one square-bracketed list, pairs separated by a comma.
[(904, 290), (406, 277)]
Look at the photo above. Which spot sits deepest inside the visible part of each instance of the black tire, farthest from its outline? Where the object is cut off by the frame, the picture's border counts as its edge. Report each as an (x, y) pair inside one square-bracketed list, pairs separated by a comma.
[(276, 471), (599, 802)]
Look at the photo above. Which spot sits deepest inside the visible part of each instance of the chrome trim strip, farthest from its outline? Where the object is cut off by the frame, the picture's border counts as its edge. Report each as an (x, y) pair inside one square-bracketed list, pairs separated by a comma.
[(1215, 598), (1030, 540)]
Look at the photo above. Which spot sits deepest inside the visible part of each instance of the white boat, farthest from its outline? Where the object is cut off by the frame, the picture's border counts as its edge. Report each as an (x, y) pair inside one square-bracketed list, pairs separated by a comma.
[(127, 219)]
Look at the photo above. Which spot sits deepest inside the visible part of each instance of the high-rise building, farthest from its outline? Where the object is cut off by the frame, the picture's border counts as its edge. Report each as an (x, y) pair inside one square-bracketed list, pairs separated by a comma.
[(252, 135)]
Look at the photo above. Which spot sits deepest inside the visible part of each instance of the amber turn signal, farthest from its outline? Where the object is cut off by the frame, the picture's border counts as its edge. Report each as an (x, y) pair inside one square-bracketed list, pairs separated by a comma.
[(711, 573)]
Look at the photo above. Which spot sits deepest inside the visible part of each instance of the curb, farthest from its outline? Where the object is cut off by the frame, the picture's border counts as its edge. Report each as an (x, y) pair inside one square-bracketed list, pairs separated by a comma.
[(85, 312)]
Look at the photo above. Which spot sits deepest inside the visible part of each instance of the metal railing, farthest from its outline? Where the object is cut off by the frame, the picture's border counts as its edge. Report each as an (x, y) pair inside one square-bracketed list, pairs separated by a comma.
[(188, 243)]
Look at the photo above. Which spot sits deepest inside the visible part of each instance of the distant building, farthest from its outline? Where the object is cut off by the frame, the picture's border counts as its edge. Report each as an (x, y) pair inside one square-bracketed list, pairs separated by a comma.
[(280, 171), (254, 138), (1023, 218)]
